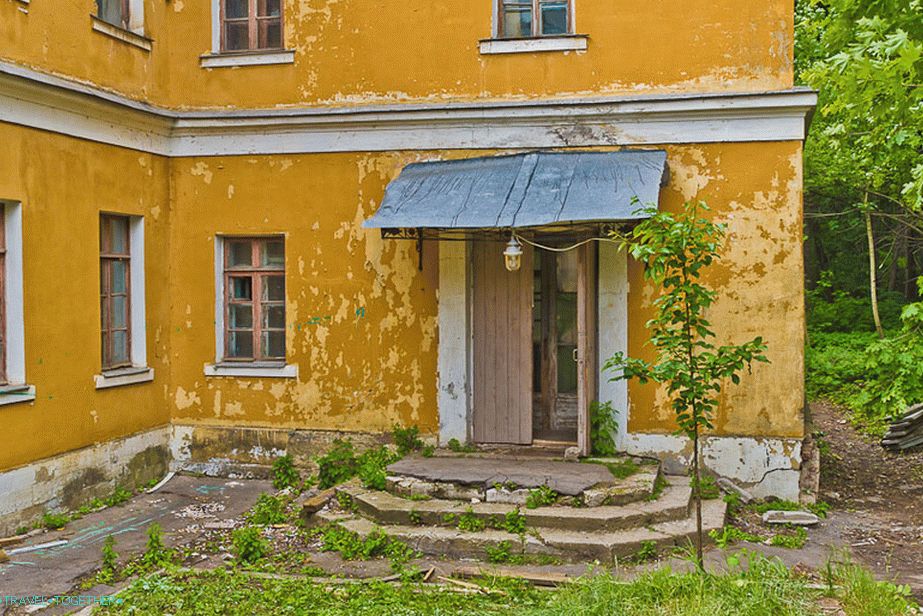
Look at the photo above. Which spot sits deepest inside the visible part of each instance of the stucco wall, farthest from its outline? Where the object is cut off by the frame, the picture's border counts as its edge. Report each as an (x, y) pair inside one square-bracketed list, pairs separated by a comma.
[(360, 52), (64, 184), (366, 373)]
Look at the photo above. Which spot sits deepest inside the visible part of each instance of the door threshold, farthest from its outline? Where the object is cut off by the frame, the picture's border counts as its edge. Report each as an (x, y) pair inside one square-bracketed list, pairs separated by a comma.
[(550, 444)]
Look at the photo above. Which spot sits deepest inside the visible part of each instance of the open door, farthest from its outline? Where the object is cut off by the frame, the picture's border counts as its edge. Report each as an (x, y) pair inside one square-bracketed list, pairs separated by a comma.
[(502, 347), (587, 364)]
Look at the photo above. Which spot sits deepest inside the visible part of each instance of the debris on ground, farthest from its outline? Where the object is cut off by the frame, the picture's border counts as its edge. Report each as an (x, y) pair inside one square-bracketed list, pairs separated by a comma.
[(905, 432), (796, 518), (729, 487)]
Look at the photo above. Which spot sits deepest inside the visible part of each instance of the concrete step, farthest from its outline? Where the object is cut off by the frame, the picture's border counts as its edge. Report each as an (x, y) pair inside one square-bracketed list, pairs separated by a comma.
[(568, 545), (385, 508), (510, 480)]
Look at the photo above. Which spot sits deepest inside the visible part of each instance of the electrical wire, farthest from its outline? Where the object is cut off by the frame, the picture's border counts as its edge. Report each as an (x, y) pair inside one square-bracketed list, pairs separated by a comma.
[(552, 249)]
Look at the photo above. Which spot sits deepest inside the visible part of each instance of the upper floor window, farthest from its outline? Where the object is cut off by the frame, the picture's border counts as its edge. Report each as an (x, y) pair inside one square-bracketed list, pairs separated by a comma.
[(115, 12), (254, 301), (534, 18), (249, 25)]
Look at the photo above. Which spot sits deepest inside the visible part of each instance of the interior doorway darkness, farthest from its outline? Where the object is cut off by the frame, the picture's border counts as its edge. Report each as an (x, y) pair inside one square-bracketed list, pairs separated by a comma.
[(554, 346)]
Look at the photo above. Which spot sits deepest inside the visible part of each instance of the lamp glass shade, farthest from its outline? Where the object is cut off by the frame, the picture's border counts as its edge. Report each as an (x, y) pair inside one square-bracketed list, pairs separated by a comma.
[(512, 255)]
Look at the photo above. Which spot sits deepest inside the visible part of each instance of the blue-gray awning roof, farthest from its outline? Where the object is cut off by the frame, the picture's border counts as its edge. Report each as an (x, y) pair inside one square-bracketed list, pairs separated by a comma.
[(524, 190)]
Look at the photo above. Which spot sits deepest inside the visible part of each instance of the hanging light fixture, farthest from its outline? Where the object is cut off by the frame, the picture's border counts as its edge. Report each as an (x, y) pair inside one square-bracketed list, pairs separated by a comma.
[(512, 255)]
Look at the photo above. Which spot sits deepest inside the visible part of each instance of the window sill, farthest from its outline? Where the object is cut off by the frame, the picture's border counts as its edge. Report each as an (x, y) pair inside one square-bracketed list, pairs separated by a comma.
[(248, 58), (126, 36), (123, 376), (257, 370), (571, 42), (13, 394)]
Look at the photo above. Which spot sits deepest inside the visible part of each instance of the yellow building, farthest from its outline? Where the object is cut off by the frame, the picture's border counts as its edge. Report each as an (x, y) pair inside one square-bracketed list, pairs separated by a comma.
[(194, 272)]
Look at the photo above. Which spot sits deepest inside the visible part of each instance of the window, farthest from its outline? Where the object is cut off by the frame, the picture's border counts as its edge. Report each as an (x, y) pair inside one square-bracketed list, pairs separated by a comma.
[(534, 18), (115, 12), (115, 290), (13, 387), (251, 25), (254, 299)]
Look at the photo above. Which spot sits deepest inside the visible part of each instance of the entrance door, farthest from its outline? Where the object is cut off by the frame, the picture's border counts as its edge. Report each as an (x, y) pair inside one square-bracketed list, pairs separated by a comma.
[(502, 347)]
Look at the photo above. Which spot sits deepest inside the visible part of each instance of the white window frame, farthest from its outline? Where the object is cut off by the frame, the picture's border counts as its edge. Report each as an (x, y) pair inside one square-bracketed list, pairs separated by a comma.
[(220, 59), (139, 371), (270, 370), (557, 42), (17, 390)]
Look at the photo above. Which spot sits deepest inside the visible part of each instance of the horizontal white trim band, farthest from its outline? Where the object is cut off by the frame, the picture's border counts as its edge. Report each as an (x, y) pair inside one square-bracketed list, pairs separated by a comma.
[(532, 45), (283, 56), (129, 376), (46, 102), (288, 371)]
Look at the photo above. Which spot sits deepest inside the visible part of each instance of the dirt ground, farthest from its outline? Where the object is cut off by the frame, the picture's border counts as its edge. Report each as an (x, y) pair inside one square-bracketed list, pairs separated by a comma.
[(876, 498)]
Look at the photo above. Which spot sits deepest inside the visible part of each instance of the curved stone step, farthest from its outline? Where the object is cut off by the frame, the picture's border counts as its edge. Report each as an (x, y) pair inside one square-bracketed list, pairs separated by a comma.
[(564, 544), (385, 508)]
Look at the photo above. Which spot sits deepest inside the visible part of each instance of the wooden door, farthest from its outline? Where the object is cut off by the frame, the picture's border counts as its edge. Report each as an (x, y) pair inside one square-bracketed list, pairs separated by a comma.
[(502, 347), (587, 364)]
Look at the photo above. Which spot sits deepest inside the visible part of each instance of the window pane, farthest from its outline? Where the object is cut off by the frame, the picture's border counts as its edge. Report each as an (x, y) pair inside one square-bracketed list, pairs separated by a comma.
[(119, 271), (269, 8), (118, 235), (236, 36), (240, 253), (274, 253), (273, 344), (110, 11), (242, 288), (274, 288), (235, 9), (104, 277), (567, 370), (517, 19), (119, 347), (273, 316), (240, 344), (240, 316), (554, 18), (270, 32), (119, 311)]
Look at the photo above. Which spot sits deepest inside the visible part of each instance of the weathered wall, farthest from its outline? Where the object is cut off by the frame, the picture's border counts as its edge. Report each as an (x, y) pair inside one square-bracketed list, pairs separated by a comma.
[(364, 374), (57, 37), (64, 184), (355, 51), (756, 191), (361, 316)]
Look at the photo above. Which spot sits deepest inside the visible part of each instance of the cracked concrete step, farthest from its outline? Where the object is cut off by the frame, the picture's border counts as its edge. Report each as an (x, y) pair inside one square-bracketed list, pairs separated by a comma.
[(386, 508), (564, 544), (511, 480)]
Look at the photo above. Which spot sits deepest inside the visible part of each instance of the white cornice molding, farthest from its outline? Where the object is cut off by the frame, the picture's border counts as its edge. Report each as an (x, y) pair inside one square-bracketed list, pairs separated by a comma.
[(46, 102)]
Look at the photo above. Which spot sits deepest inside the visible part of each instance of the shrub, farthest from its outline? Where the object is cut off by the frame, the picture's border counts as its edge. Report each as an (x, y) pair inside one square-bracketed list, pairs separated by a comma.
[(541, 497), (284, 473), (54, 521), (731, 534), (155, 553), (268, 509), (371, 466), (602, 428), (501, 553), (456, 446), (469, 522), (338, 465), (848, 313), (514, 522), (249, 545), (107, 571), (407, 439), (708, 488)]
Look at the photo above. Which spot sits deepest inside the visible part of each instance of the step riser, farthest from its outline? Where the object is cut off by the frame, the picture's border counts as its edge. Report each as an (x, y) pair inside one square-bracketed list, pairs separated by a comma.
[(465, 545), (545, 520)]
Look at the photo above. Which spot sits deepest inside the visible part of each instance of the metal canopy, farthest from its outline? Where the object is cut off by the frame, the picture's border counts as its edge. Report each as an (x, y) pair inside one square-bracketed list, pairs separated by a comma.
[(524, 190)]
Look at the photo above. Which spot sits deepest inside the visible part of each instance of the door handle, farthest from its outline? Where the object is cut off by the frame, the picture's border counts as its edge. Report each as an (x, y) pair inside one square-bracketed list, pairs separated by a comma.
[(575, 355)]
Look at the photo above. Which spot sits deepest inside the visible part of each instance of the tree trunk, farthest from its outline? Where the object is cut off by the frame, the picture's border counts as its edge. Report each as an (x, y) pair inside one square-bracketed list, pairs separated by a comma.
[(697, 497), (873, 267)]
